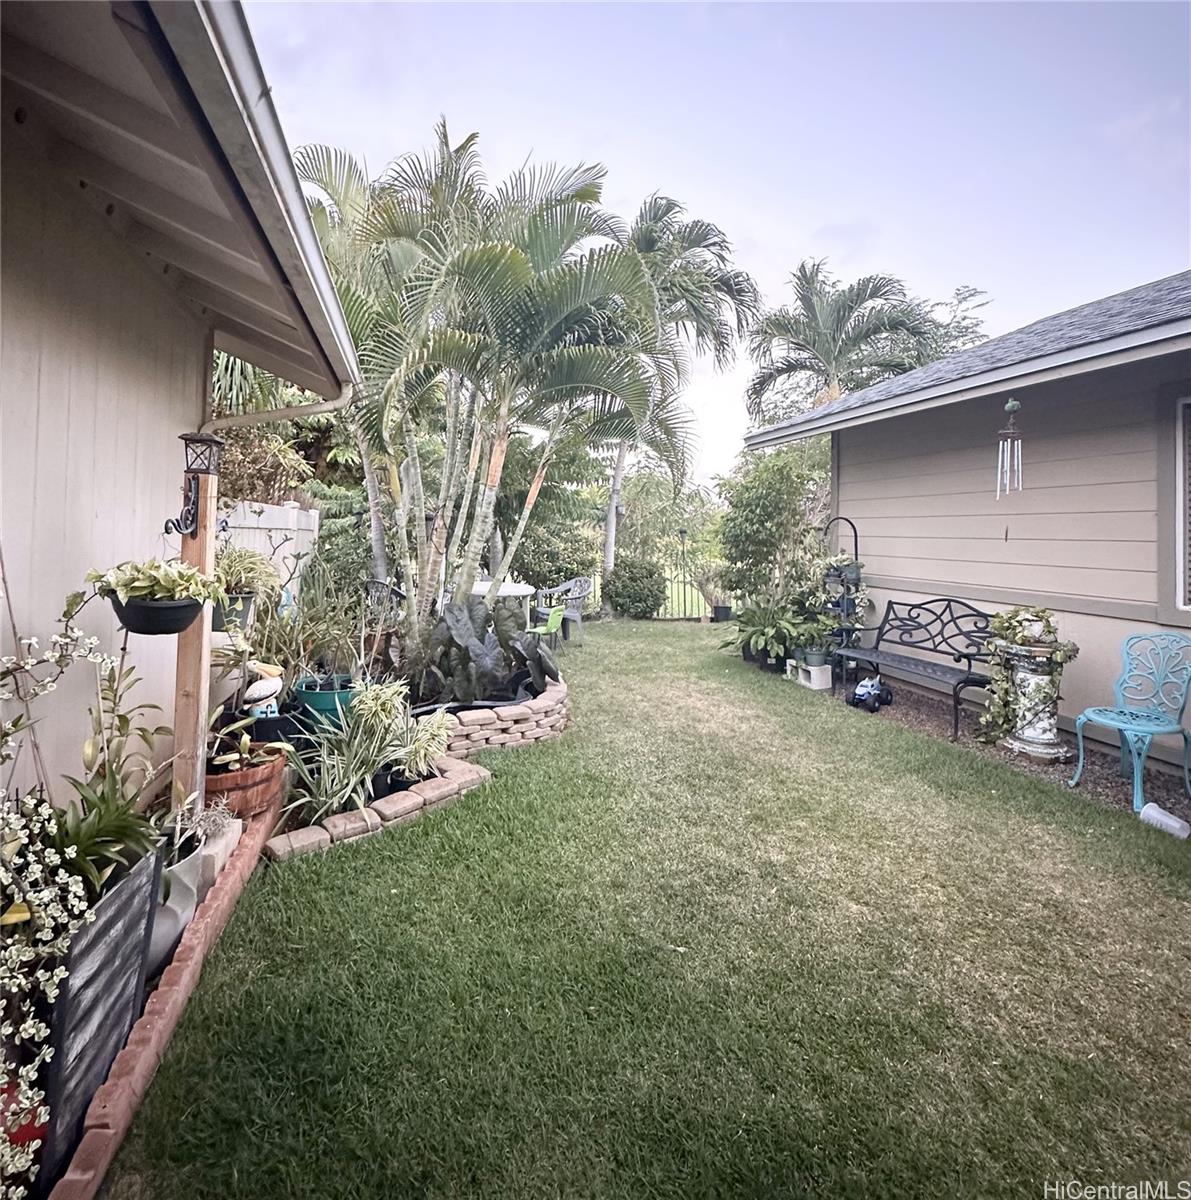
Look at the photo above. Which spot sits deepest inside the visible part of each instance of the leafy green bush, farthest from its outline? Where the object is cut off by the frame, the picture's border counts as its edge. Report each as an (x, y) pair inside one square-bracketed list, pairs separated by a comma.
[(636, 588), (556, 551), (156, 580)]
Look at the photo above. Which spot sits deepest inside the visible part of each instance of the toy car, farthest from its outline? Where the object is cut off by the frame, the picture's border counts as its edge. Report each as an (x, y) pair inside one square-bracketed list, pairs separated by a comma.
[(871, 693)]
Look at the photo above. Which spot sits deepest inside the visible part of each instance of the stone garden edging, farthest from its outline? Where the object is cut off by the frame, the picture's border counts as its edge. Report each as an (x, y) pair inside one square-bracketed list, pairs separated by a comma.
[(540, 719), (506, 727)]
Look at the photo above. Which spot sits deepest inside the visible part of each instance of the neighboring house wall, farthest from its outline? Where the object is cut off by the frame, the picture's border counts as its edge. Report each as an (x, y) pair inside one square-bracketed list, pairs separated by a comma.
[(1092, 535), (101, 370)]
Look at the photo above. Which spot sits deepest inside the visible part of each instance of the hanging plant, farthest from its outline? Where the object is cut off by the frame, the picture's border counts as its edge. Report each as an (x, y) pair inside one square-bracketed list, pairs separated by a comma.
[(1025, 646), (156, 597)]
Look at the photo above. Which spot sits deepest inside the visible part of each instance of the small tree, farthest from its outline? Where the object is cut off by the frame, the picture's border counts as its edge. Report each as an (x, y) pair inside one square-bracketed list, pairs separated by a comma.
[(772, 500)]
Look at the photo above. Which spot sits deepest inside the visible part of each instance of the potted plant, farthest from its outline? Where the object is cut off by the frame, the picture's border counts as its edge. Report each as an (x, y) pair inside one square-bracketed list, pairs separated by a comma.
[(336, 767), (326, 694), (383, 708), (246, 776), (243, 575), (813, 634), (181, 849), (319, 625), (1026, 668), (156, 597), (766, 630), (104, 840)]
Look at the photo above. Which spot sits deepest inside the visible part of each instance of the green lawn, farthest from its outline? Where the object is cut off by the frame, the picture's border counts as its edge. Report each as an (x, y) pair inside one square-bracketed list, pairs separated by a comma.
[(725, 938)]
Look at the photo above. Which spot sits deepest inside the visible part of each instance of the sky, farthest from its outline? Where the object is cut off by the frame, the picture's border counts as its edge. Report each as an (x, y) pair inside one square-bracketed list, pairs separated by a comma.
[(1039, 151)]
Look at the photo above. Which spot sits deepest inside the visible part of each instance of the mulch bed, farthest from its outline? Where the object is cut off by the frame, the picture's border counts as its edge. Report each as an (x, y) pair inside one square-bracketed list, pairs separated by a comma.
[(1101, 782)]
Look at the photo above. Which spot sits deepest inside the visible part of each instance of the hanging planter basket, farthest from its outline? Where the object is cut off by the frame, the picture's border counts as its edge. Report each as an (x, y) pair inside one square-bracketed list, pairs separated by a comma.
[(235, 614), (251, 790), (155, 617)]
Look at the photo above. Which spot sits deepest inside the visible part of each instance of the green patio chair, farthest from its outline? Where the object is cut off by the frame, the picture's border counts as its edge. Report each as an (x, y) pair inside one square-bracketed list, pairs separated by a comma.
[(553, 623), (1151, 699)]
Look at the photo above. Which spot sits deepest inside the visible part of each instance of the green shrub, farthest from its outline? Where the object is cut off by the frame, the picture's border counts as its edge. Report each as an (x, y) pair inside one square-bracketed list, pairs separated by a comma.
[(636, 588), (556, 551)]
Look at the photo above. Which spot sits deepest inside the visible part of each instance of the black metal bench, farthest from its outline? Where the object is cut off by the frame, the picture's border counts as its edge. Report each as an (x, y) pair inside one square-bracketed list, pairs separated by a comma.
[(947, 628)]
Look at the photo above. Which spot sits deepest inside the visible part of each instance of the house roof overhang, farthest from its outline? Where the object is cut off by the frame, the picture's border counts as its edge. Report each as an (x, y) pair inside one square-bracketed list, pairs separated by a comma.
[(1171, 338), (157, 114)]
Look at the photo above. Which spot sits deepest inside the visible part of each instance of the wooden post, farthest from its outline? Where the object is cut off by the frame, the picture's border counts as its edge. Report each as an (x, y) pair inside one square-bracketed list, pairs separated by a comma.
[(192, 679)]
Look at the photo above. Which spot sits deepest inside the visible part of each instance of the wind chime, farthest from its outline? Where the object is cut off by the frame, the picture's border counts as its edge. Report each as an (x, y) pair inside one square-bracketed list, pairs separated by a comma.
[(1009, 453)]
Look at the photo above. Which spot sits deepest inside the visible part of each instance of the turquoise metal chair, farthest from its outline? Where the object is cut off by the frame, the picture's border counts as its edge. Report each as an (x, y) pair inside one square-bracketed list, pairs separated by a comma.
[(1151, 699)]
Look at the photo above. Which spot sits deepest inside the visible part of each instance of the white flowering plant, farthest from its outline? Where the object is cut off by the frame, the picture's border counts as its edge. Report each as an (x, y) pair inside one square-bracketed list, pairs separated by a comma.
[(42, 901), (42, 905)]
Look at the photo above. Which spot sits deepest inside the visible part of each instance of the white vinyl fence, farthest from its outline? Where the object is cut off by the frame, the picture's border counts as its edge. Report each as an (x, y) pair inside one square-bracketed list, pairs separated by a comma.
[(285, 532)]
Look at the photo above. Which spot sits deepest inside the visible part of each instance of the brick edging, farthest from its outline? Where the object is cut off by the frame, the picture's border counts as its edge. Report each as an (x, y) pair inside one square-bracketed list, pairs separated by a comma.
[(112, 1108), (388, 812), (540, 719), (475, 729)]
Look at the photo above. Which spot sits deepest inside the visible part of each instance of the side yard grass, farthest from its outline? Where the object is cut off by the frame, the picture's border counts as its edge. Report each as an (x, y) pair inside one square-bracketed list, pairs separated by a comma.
[(725, 938)]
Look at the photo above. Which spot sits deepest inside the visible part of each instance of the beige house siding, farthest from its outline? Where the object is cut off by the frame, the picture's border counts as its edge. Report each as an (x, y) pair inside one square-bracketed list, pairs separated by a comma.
[(101, 370), (1088, 536)]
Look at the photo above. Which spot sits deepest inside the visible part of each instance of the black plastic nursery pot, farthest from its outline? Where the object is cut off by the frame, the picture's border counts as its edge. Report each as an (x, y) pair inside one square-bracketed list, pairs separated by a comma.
[(236, 613), (285, 727), (387, 781), (156, 616), (721, 613), (748, 654)]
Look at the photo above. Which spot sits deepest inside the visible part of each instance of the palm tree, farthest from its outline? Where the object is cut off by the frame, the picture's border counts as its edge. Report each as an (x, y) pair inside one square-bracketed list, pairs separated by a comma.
[(500, 314), (341, 206), (703, 300), (837, 337)]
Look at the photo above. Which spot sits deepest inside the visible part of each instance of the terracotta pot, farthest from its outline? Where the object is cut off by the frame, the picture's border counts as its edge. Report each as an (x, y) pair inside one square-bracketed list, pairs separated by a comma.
[(251, 790)]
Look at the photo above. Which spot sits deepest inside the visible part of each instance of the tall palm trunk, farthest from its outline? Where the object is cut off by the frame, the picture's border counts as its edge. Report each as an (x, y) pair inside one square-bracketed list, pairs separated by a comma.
[(473, 466), (481, 528), (622, 453), (830, 390), (376, 524), (410, 581), (501, 571)]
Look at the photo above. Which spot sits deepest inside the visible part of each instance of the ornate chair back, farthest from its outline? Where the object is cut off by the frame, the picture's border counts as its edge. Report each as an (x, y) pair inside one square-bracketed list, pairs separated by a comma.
[(1157, 673)]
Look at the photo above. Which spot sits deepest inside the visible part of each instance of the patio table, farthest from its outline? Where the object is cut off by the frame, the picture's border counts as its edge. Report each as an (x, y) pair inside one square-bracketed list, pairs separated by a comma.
[(521, 590)]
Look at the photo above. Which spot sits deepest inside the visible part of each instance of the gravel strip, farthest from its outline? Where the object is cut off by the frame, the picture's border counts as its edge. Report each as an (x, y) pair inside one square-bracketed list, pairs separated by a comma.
[(1101, 782)]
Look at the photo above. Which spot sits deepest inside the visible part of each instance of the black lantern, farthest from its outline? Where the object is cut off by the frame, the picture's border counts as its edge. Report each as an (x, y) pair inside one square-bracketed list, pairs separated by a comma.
[(202, 453), (202, 458)]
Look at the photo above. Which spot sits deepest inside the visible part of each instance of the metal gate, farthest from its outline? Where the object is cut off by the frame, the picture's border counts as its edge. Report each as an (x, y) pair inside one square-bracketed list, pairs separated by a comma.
[(684, 601)]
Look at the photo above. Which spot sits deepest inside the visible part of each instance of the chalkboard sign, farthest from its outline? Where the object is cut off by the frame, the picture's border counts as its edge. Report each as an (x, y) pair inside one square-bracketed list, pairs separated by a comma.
[(98, 1003)]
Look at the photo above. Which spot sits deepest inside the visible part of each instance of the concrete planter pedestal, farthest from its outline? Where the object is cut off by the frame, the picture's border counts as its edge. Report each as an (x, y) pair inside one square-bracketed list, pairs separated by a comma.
[(1036, 681)]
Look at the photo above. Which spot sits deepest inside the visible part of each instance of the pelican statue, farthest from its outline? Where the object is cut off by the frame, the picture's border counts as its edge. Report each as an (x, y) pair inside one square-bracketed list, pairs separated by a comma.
[(260, 697)]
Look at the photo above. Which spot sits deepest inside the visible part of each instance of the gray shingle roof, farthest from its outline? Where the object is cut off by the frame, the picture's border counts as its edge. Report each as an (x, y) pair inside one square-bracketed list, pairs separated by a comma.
[(1140, 308)]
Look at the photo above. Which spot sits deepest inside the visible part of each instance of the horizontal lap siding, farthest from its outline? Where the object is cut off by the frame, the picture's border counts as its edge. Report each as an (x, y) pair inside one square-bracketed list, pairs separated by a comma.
[(101, 371), (922, 489)]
